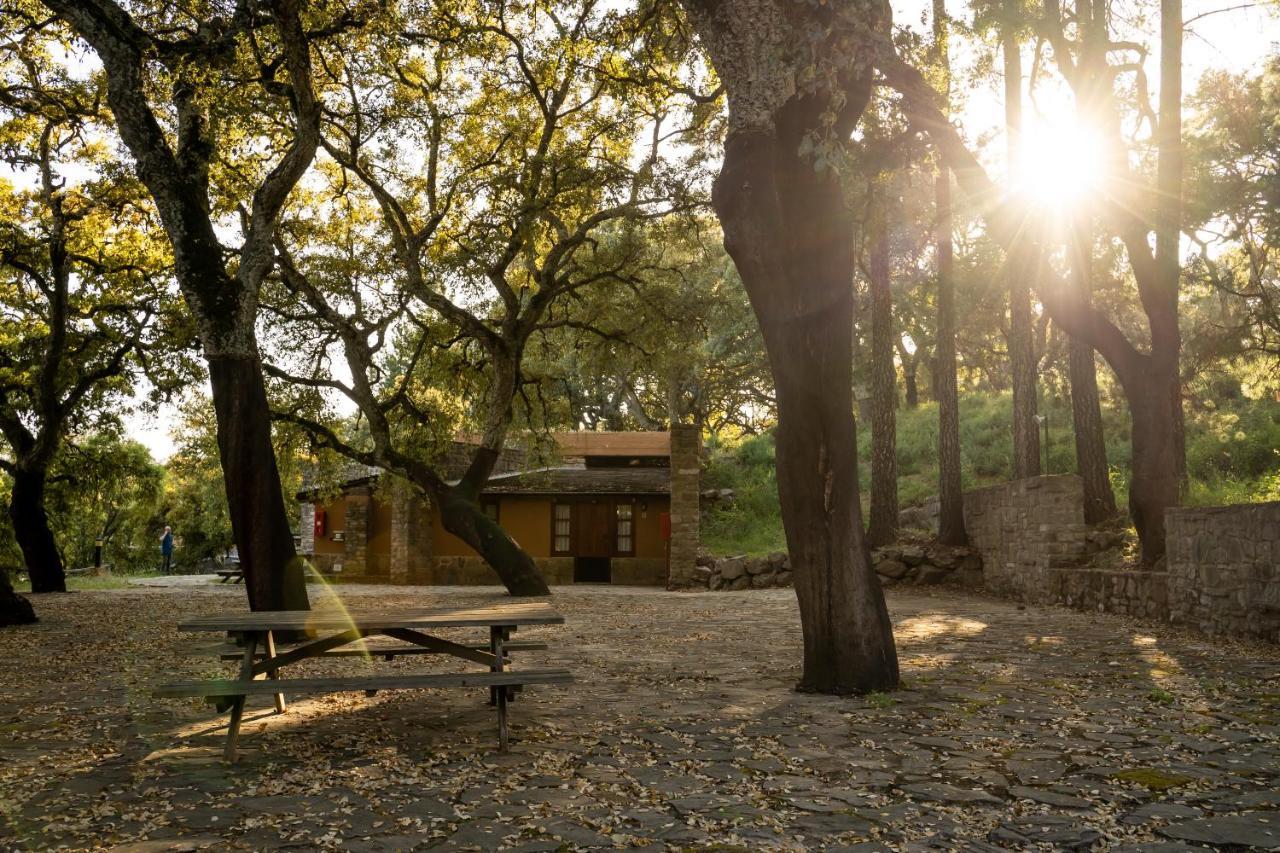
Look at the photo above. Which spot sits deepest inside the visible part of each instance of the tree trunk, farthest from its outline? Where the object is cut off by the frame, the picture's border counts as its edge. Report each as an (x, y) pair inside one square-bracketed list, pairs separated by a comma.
[(464, 519), (1155, 405), (1022, 357), (950, 496), (790, 235), (1086, 411), (909, 380), (1091, 449), (950, 491), (14, 609), (883, 524), (31, 529), (274, 573)]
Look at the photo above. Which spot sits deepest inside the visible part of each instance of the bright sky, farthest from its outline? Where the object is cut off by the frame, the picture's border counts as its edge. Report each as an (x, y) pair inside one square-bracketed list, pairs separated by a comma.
[(1236, 40)]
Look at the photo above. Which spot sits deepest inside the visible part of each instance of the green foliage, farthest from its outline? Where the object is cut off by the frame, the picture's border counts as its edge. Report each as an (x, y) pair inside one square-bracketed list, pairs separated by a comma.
[(1233, 456)]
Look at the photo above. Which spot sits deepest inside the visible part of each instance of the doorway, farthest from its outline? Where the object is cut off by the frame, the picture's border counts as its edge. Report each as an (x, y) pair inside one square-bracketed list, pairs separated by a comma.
[(592, 570)]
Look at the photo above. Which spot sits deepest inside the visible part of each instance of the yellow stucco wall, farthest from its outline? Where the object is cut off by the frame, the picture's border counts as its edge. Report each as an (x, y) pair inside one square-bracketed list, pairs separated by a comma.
[(335, 519), (380, 528)]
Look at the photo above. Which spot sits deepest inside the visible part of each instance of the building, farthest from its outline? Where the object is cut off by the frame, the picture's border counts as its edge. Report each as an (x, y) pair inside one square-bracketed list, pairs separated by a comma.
[(618, 507)]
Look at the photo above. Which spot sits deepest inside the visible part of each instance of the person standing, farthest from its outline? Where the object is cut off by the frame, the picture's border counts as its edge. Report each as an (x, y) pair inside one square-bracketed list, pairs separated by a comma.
[(166, 548)]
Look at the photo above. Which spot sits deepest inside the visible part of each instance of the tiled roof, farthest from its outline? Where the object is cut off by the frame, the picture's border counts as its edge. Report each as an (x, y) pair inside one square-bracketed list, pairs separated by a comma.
[(582, 481)]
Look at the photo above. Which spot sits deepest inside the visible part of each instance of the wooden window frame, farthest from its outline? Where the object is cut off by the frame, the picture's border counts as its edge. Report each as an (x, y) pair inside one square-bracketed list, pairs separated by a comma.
[(627, 502), (555, 505)]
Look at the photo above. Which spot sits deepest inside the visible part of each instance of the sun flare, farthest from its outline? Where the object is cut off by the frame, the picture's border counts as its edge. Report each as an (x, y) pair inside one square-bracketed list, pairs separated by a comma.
[(1060, 164)]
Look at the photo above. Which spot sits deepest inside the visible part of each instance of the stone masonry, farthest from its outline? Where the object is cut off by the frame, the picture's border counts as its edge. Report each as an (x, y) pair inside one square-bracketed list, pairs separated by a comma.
[(1024, 529), (1224, 569), (411, 546), (686, 451), (356, 535)]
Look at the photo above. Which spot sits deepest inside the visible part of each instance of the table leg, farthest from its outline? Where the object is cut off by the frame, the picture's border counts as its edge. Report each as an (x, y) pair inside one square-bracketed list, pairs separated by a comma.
[(498, 695), (274, 673), (237, 702), (496, 638)]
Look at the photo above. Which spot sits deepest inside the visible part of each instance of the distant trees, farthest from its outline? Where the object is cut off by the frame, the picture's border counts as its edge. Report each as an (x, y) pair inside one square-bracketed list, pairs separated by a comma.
[(82, 286), (236, 132), (540, 162), (1143, 211)]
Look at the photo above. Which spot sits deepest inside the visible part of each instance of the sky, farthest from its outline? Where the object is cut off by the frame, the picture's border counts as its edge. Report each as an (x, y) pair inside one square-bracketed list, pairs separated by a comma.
[(1236, 41)]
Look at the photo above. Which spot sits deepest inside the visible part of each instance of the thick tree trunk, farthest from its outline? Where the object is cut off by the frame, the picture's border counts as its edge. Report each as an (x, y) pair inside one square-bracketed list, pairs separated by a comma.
[(1156, 405), (274, 573), (883, 523), (790, 235), (464, 519), (31, 529), (14, 609), (1091, 448), (950, 491)]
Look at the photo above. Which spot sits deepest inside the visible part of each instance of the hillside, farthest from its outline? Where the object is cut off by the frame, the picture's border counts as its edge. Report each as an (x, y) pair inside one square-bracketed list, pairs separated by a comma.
[(1233, 456)]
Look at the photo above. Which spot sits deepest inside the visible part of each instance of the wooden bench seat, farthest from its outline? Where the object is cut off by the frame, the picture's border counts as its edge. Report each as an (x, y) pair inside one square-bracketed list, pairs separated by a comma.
[(351, 684), (376, 650)]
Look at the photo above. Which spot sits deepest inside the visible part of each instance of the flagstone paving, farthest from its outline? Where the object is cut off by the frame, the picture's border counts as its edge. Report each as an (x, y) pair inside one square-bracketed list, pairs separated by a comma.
[(1017, 728)]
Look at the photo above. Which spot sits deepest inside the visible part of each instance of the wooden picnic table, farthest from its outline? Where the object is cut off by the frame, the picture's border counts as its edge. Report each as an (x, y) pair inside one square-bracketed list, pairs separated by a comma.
[(339, 632)]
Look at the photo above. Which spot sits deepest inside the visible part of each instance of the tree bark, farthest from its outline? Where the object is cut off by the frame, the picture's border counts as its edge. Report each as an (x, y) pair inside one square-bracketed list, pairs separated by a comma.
[(790, 233), (464, 519), (883, 523), (1086, 410), (950, 494), (1022, 357), (910, 367), (274, 574), (31, 529), (14, 609), (1155, 485), (798, 278), (950, 491)]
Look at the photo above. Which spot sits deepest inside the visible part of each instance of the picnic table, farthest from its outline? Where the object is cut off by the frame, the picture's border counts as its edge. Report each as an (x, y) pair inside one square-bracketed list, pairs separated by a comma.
[(235, 575), (337, 632)]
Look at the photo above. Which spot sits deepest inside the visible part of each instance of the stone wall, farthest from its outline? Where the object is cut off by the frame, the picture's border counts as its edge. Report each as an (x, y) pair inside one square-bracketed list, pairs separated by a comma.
[(356, 535), (686, 453), (411, 545), (1224, 569), (1024, 529)]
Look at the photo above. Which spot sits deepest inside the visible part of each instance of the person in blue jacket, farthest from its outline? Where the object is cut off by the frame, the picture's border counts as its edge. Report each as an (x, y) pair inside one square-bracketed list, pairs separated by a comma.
[(166, 548)]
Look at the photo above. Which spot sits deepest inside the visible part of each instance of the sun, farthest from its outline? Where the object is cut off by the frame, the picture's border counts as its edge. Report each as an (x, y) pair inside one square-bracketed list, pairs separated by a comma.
[(1060, 164)]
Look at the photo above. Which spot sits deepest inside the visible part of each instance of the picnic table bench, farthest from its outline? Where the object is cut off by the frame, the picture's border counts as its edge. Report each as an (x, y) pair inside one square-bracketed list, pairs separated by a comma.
[(338, 632), (235, 575)]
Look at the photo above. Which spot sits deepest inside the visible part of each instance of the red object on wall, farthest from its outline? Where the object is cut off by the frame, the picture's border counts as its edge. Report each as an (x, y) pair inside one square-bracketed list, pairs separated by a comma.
[(318, 528), (664, 521)]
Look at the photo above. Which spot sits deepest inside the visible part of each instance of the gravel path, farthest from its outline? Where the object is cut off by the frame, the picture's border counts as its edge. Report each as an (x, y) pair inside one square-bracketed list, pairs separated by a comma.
[(1018, 728)]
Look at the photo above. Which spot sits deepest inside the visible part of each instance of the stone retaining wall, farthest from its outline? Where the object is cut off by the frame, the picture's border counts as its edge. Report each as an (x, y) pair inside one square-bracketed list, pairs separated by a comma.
[(1024, 529), (1224, 569)]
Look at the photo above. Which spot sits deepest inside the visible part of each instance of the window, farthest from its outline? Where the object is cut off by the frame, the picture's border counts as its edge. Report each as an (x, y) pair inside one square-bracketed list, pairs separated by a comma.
[(562, 529), (490, 508), (624, 513)]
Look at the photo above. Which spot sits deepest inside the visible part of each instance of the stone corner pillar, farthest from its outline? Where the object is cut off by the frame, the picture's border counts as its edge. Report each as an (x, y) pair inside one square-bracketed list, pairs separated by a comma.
[(686, 461), (356, 536), (410, 535), (307, 529)]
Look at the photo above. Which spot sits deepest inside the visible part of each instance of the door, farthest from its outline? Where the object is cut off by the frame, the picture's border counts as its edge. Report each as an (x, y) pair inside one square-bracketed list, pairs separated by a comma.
[(592, 529)]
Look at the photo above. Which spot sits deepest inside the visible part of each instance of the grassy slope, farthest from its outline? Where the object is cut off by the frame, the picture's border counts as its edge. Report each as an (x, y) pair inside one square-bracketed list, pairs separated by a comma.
[(1233, 456)]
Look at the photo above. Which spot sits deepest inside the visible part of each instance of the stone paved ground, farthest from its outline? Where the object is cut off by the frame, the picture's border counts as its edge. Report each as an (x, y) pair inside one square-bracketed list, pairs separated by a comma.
[(1018, 728)]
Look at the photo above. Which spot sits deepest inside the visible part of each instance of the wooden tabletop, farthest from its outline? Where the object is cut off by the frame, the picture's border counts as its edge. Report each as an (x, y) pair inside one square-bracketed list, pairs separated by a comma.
[(506, 615)]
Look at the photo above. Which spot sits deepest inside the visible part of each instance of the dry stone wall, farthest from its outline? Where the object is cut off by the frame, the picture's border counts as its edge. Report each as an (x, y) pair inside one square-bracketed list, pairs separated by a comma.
[(1224, 569)]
